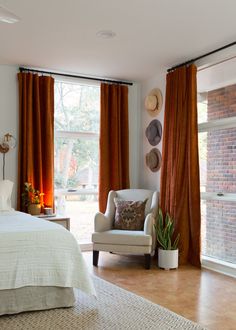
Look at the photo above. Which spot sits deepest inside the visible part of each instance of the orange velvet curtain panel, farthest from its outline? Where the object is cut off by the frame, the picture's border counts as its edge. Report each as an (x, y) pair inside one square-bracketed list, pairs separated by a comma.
[(36, 135), (114, 141), (180, 184)]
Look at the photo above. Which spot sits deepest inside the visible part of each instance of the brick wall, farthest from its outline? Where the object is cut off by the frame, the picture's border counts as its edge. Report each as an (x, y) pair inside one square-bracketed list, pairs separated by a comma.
[(220, 234), (222, 103)]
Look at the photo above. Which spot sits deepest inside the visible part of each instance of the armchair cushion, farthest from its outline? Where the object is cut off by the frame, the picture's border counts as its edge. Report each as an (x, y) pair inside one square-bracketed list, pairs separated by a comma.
[(122, 237), (129, 215)]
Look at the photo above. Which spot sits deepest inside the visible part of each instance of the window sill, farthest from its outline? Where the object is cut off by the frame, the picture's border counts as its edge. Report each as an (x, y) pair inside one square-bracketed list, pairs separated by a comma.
[(219, 266), (65, 192)]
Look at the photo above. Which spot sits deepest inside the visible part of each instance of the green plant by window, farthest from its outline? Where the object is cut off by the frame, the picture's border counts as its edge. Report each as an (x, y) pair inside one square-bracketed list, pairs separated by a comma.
[(165, 230), (31, 195)]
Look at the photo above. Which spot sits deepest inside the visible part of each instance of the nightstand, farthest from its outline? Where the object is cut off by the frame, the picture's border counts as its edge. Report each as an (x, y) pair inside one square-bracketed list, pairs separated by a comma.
[(59, 219)]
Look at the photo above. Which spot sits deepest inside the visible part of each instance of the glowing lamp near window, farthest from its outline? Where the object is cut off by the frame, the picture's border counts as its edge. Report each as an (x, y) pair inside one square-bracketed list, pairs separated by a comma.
[(7, 143)]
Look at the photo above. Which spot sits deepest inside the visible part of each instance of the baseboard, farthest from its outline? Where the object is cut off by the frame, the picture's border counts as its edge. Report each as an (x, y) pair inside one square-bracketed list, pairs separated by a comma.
[(219, 266)]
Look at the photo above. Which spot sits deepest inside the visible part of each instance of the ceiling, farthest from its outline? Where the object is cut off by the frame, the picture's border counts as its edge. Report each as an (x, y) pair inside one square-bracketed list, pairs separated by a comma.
[(150, 34)]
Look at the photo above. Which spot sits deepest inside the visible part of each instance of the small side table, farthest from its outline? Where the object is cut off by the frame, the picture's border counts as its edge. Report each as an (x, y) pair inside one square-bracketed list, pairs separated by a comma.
[(61, 220)]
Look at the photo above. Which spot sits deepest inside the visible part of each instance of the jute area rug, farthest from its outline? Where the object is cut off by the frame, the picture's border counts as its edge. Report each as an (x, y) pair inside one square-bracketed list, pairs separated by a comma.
[(114, 308)]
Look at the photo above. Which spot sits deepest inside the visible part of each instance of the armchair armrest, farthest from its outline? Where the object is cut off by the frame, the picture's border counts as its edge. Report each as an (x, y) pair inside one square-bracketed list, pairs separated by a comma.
[(150, 230), (102, 222), (149, 224)]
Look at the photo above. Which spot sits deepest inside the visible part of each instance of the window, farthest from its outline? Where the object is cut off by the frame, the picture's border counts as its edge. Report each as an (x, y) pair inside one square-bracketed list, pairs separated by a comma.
[(217, 152), (77, 108)]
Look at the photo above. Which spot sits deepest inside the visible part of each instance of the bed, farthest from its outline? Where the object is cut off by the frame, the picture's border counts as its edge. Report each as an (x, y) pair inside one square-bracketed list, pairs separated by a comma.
[(40, 264)]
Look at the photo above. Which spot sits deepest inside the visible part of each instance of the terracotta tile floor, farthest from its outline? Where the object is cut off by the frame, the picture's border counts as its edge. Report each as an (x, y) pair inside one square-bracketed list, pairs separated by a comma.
[(203, 296)]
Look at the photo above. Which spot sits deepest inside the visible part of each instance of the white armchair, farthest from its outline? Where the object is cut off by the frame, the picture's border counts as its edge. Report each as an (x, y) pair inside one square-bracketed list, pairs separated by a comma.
[(105, 238)]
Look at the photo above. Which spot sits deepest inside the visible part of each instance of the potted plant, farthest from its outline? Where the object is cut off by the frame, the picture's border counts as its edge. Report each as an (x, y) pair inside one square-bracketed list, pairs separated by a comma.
[(168, 252), (32, 199)]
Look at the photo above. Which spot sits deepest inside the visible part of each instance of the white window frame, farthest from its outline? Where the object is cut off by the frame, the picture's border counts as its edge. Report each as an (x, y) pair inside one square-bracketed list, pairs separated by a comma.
[(208, 262), (212, 125), (61, 193), (77, 135)]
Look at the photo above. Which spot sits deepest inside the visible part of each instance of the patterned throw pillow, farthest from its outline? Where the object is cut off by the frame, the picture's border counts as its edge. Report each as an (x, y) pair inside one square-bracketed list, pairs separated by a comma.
[(130, 215)]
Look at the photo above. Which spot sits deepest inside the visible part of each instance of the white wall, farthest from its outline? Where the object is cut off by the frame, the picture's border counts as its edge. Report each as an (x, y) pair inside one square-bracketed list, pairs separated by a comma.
[(9, 119), (134, 135), (149, 179)]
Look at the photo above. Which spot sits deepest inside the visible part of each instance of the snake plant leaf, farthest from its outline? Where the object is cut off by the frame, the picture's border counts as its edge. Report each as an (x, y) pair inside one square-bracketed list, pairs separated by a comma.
[(161, 239), (176, 242), (161, 243), (160, 218), (165, 233), (171, 229), (164, 228), (169, 244)]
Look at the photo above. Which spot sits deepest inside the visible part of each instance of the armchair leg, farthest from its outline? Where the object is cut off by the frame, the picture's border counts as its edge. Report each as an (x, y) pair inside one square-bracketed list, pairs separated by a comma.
[(147, 261), (95, 257)]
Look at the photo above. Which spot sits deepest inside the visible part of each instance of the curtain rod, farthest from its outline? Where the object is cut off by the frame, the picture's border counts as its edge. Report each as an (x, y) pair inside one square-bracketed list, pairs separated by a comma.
[(77, 76), (201, 56)]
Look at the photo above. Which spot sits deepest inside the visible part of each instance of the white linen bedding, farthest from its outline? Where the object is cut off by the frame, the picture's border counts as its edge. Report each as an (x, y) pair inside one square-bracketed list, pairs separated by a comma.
[(35, 298), (36, 252)]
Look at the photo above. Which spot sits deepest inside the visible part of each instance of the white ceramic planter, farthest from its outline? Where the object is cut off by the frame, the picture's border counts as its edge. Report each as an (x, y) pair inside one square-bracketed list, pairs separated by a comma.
[(168, 259)]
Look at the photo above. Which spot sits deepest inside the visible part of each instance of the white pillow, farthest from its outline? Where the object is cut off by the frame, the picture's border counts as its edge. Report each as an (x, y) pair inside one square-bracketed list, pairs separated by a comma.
[(5, 195)]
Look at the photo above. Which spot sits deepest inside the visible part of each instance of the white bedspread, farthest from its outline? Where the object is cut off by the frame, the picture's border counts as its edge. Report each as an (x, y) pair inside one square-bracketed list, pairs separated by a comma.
[(36, 252)]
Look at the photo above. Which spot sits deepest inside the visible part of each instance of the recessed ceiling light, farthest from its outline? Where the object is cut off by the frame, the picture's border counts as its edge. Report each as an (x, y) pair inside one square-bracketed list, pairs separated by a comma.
[(106, 34), (7, 17)]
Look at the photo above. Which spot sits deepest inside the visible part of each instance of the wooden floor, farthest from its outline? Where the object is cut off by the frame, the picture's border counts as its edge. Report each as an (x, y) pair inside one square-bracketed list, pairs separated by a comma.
[(203, 296)]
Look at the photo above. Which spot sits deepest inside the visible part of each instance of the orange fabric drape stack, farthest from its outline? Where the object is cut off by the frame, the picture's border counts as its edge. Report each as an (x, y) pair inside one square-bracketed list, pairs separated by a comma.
[(114, 141), (180, 184), (36, 135)]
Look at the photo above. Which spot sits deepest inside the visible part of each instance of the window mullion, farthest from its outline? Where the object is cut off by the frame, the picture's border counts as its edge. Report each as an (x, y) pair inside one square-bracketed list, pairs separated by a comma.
[(76, 135)]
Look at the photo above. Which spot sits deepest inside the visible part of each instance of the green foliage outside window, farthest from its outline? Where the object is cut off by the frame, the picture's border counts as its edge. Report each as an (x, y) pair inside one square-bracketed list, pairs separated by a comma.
[(76, 158)]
